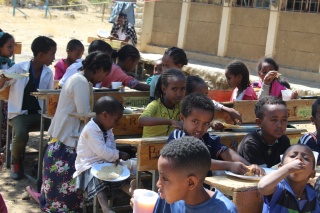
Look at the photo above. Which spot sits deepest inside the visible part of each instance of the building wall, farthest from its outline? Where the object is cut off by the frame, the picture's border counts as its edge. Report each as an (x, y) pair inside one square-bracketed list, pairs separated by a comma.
[(166, 23), (203, 28), (298, 41), (247, 33)]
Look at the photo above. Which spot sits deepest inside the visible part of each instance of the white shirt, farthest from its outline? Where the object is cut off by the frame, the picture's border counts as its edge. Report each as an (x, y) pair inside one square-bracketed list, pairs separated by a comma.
[(71, 70), (92, 148), (74, 98), (122, 36), (17, 87)]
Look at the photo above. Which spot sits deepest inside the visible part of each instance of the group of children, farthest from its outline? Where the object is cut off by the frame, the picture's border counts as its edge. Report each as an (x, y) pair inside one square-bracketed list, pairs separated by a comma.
[(180, 110)]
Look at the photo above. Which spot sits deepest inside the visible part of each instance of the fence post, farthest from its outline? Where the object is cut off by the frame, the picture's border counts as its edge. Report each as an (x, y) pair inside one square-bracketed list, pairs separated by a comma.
[(14, 7)]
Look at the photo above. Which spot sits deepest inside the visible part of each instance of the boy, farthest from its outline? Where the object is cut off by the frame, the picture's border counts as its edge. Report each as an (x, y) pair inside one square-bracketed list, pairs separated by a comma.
[(264, 146), (287, 189), (311, 139), (183, 165), (23, 108), (197, 112), (156, 75)]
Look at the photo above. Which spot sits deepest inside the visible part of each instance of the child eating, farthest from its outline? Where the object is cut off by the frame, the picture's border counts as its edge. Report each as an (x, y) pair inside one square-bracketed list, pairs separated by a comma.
[(183, 165), (264, 146), (197, 112), (287, 189)]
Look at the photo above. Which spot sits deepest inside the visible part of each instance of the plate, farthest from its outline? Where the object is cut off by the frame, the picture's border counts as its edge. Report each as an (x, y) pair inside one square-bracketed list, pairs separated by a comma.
[(14, 75), (244, 177), (125, 172), (244, 128)]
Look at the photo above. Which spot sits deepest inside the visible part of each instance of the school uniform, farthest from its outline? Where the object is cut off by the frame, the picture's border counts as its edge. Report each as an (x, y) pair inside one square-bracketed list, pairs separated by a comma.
[(311, 141)]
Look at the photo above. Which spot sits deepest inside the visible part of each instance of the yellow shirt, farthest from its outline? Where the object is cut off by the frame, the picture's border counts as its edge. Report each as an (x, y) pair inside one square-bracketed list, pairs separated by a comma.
[(158, 110)]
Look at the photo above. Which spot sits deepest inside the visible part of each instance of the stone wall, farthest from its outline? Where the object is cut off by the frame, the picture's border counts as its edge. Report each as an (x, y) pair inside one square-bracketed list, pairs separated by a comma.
[(139, 20)]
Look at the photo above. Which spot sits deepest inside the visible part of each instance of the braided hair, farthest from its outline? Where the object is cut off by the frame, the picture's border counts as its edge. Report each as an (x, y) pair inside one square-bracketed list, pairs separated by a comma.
[(95, 61), (4, 38), (239, 68), (100, 45), (177, 54), (165, 80), (193, 81), (270, 61), (127, 51)]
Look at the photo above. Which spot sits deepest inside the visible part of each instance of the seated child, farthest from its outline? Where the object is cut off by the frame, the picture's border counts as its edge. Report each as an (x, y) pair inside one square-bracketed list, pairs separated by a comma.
[(264, 146), (75, 51), (157, 70), (313, 139), (161, 116), (286, 189), (23, 108), (237, 75), (96, 45), (197, 112), (271, 83), (96, 144), (183, 165)]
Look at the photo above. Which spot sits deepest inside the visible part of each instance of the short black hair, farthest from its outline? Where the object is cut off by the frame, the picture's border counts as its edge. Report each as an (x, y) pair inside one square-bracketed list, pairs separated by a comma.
[(96, 60), (177, 54), (301, 145), (192, 82), (314, 107), (239, 68), (188, 155), (270, 61), (100, 45), (107, 104), (42, 44), (4, 38), (127, 51), (196, 101), (74, 44), (268, 100)]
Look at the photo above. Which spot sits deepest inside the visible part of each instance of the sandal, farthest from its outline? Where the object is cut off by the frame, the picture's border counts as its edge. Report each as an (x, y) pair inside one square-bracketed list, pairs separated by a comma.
[(35, 195)]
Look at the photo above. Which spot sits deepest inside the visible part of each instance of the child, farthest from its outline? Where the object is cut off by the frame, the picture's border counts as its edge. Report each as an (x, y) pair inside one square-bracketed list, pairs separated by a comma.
[(264, 146), (96, 144), (237, 75), (128, 58), (197, 111), (161, 116), (173, 57), (195, 84), (313, 139), (75, 51), (272, 84), (157, 70), (96, 45), (287, 189), (122, 30), (7, 45), (58, 191), (23, 108), (183, 165)]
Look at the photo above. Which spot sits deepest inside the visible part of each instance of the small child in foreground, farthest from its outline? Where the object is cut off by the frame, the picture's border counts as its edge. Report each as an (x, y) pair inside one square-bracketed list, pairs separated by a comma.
[(183, 166), (286, 189), (96, 144)]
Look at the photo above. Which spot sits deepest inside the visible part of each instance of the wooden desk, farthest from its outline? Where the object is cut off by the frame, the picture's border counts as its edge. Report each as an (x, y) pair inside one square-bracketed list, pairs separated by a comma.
[(245, 194), (115, 44)]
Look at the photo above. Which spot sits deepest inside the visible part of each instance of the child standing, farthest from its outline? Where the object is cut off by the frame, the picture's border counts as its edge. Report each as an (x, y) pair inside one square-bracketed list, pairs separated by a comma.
[(128, 58), (197, 112), (237, 75), (23, 108), (183, 166), (173, 57), (75, 51), (287, 189), (7, 45), (96, 144), (161, 116), (264, 146), (313, 139)]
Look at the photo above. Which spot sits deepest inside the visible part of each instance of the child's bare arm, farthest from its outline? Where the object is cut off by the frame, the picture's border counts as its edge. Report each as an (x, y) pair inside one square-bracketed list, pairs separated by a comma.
[(234, 114), (235, 167), (230, 155), (268, 183)]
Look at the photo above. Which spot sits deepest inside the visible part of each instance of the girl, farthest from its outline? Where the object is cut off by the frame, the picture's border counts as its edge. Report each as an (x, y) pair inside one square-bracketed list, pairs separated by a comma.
[(161, 116), (195, 84), (75, 51), (122, 30), (173, 57), (58, 191), (237, 75), (271, 83), (128, 58), (7, 45), (96, 144)]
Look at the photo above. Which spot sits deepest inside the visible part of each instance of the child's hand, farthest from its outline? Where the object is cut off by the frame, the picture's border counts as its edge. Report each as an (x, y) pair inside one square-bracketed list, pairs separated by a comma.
[(176, 124), (294, 94), (295, 166), (270, 76), (257, 170), (217, 125), (238, 168), (123, 155)]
